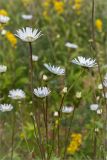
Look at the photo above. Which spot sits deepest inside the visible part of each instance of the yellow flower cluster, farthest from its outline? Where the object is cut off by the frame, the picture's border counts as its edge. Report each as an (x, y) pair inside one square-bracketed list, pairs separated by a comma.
[(59, 6), (77, 6), (11, 38), (47, 3), (99, 25), (46, 6), (3, 12), (76, 140)]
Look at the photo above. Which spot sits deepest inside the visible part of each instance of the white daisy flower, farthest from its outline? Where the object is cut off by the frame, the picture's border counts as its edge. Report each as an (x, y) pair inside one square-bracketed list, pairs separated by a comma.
[(82, 61), (16, 94), (27, 16), (55, 69), (94, 107), (71, 45), (4, 19), (35, 58), (67, 109), (42, 92), (3, 68), (27, 34), (5, 107)]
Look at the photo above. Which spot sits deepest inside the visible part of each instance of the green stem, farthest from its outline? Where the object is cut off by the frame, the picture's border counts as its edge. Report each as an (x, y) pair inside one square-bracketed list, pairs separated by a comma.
[(31, 69), (39, 143), (22, 122), (13, 133), (31, 87), (99, 70), (46, 116), (68, 133)]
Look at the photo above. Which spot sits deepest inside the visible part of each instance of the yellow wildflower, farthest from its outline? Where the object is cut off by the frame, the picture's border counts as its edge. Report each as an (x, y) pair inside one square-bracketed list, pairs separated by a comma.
[(99, 25), (46, 3), (77, 6), (11, 38), (3, 12), (46, 16), (76, 140), (59, 6)]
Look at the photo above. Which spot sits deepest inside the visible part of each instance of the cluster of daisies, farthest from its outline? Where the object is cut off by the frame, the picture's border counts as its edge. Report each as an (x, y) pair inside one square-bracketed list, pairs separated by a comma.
[(29, 35)]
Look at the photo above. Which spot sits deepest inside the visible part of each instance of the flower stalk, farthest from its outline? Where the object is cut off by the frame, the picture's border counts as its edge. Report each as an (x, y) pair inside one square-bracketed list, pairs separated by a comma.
[(94, 46)]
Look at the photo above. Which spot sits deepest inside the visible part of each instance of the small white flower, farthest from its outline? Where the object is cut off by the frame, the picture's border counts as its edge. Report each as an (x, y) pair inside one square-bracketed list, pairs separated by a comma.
[(16, 94), (27, 16), (100, 86), (3, 32), (67, 109), (78, 94), (35, 58), (45, 78), (71, 45), (82, 61), (96, 129), (99, 111), (55, 69), (42, 92), (27, 34), (3, 68), (94, 107), (56, 114), (65, 89), (5, 107), (4, 19)]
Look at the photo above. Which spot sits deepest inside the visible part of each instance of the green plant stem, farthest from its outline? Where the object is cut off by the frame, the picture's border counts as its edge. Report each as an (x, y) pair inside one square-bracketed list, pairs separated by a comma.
[(68, 133), (58, 129), (99, 70), (45, 122), (13, 133), (31, 88), (95, 146), (22, 122), (31, 69), (46, 116), (37, 140), (59, 117)]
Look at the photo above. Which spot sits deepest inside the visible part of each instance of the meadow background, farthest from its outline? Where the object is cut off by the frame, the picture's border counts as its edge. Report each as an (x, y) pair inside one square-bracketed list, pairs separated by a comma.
[(60, 21)]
